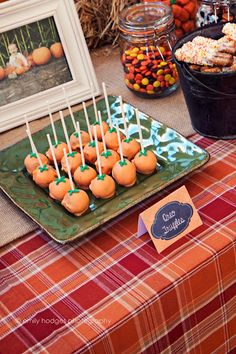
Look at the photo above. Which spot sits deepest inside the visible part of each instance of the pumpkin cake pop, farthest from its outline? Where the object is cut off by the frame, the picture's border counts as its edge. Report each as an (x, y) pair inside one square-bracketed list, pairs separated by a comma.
[(58, 145), (108, 158), (31, 161), (90, 151), (111, 139), (145, 161), (76, 201), (74, 157), (97, 126), (44, 174), (84, 174), (130, 147), (74, 141), (124, 172), (61, 185), (103, 186)]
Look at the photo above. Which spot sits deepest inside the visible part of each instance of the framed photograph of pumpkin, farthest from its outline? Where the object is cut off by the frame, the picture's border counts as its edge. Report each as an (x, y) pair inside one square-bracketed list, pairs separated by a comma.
[(42, 49)]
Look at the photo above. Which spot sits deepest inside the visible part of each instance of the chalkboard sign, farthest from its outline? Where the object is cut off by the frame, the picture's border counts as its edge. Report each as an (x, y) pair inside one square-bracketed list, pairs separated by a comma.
[(171, 220)]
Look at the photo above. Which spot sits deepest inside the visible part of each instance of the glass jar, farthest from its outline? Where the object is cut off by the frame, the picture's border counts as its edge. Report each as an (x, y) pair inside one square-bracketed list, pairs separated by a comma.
[(147, 34)]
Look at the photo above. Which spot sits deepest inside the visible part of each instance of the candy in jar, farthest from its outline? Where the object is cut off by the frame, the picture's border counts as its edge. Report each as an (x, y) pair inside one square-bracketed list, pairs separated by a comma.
[(147, 34)]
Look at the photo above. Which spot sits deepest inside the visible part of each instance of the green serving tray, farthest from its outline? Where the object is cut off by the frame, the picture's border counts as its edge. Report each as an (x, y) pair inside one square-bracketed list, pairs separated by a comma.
[(177, 157)]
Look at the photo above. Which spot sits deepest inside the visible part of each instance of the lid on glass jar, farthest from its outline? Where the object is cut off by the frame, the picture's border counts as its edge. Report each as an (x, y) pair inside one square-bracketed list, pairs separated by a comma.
[(146, 19)]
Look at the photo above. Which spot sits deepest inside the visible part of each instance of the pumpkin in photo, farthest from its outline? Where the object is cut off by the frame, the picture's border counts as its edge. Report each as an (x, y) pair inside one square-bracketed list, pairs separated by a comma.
[(20, 70), (57, 50), (30, 60), (41, 55), (9, 70), (2, 73)]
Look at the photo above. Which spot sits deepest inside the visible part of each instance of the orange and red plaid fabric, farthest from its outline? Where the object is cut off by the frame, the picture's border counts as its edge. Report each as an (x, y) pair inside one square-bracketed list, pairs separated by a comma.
[(110, 292)]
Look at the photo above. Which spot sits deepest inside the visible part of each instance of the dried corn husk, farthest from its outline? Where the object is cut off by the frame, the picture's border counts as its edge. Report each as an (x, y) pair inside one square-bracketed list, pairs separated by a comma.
[(99, 20)]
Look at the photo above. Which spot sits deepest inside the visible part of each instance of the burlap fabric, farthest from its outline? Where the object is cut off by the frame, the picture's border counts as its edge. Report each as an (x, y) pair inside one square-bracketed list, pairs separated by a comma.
[(170, 110)]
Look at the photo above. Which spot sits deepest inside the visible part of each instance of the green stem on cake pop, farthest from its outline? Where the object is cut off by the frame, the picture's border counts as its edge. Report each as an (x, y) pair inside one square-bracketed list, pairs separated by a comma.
[(87, 121), (94, 102), (123, 117), (65, 131), (52, 124), (107, 105), (122, 161), (139, 129), (69, 107), (53, 156)]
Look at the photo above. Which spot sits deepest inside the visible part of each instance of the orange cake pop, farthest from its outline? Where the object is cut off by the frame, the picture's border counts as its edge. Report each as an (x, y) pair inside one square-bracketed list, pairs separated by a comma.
[(145, 161), (111, 139), (74, 141), (84, 174), (103, 186), (98, 129), (44, 175), (76, 201), (130, 147), (124, 172), (74, 157), (108, 158), (31, 162), (58, 146), (61, 185), (90, 151)]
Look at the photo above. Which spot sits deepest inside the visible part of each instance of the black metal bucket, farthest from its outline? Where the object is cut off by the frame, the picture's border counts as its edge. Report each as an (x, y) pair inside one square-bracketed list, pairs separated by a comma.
[(210, 98)]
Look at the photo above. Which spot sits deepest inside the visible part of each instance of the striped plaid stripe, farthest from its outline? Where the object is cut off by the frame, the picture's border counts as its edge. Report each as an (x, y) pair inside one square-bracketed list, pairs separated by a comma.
[(112, 293)]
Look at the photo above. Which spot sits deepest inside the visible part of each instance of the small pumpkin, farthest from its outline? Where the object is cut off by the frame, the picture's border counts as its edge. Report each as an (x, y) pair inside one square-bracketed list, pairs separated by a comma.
[(41, 55), (57, 50), (20, 70), (30, 61), (9, 70), (2, 73)]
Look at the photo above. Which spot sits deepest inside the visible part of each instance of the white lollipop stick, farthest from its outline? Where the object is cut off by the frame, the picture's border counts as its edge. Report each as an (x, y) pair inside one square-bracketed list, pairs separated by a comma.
[(80, 143), (97, 151), (102, 131), (107, 104), (87, 121), (69, 107), (53, 156), (68, 170), (52, 123), (119, 142), (65, 131), (34, 147), (28, 128), (123, 117), (139, 129), (94, 102)]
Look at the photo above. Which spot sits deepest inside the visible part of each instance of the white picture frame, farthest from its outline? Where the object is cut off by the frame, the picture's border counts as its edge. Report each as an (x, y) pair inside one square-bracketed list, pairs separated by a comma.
[(17, 13)]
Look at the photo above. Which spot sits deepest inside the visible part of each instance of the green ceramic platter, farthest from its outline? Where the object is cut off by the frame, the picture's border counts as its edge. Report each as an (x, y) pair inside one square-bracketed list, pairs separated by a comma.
[(176, 158)]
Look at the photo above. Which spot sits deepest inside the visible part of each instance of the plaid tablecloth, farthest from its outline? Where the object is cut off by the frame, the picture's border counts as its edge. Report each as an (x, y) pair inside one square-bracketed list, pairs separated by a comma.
[(112, 293)]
